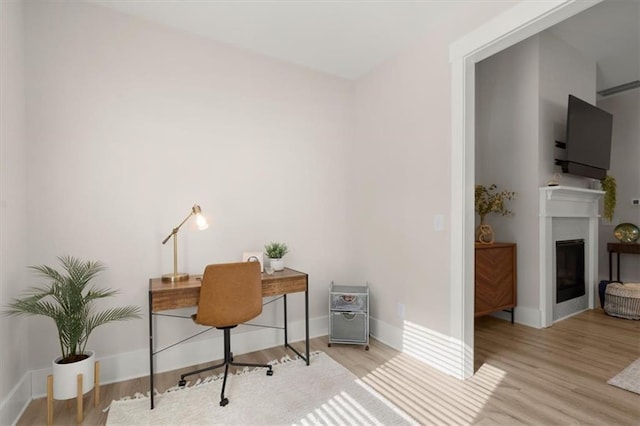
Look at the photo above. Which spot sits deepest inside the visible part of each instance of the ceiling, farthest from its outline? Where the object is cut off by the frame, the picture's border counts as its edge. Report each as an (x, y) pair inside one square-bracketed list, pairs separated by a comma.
[(346, 38), (349, 38), (609, 32)]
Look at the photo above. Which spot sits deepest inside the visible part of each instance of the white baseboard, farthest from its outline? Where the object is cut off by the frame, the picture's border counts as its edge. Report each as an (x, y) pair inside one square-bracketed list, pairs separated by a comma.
[(523, 315), (386, 333), (129, 365), (435, 349), (16, 402)]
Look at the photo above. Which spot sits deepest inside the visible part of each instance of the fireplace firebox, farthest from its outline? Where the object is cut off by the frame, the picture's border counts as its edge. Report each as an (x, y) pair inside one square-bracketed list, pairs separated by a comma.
[(569, 270)]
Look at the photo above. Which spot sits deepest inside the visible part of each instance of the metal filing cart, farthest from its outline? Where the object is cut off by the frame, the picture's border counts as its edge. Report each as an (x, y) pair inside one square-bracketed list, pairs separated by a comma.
[(349, 314)]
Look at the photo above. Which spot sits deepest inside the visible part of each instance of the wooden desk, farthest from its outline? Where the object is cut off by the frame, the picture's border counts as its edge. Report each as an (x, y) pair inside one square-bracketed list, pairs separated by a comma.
[(165, 296), (617, 248)]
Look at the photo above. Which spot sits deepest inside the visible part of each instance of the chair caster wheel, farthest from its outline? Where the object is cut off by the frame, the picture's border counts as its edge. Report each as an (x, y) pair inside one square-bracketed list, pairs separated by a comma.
[(182, 383), (329, 344), (269, 372), (366, 348), (223, 402)]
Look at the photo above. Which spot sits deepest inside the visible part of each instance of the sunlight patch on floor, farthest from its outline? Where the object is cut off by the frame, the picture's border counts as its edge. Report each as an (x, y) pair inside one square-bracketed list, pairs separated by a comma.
[(344, 409), (442, 352), (427, 394)]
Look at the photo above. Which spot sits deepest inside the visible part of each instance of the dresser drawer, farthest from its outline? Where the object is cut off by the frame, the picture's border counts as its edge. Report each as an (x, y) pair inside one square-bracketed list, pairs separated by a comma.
[(349, 327), (352, 302)]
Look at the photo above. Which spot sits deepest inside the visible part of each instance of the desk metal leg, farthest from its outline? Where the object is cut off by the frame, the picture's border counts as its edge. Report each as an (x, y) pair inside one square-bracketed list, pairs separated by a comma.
[(305, 357), (151, 351), (286, 338)]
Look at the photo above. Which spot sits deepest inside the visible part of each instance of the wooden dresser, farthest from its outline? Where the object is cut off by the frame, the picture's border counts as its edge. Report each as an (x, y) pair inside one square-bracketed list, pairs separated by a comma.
[(495, 278)]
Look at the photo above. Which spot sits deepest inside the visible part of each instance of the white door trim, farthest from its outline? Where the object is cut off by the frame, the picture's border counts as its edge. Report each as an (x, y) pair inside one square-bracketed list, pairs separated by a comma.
[(518, 23)]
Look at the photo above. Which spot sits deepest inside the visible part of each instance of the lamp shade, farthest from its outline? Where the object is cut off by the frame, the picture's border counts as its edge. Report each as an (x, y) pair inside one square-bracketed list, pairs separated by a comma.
[(201, 221)]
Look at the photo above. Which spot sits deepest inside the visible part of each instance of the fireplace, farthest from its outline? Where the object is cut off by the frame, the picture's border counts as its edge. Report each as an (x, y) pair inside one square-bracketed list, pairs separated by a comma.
[(567, 214), (570, 281)]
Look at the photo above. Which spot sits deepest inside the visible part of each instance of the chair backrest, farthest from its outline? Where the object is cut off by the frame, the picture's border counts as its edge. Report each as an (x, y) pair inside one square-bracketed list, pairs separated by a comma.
[(231, 294)]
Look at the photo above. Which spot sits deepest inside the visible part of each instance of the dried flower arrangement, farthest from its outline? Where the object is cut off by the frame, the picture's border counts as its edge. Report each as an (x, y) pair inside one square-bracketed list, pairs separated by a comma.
[(489, 201)]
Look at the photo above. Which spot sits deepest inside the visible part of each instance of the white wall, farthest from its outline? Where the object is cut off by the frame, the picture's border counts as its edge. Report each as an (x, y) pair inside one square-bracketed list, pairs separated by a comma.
[(521, 111), (564, 70), (13, 206), (400, 180), (625, 158), (131, 123), (507, 133)]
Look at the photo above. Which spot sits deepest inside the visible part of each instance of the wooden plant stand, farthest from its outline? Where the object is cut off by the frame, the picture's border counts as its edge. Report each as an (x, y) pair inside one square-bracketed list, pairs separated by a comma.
[(79, 398)]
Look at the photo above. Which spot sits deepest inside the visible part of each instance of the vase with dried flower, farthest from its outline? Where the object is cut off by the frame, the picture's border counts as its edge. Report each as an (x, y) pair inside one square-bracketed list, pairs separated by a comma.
[(489, 200)]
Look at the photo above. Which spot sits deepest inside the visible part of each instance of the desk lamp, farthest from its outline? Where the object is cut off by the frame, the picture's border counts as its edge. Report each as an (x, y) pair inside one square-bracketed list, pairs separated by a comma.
[(202, 224)]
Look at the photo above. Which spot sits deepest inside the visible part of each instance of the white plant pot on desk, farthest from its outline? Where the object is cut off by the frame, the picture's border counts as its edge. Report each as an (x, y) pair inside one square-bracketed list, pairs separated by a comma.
[(65, 377), (277, 264)]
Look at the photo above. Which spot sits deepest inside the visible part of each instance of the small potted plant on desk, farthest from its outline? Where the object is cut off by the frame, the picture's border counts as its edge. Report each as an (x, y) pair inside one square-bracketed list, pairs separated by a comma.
[(275, 252), (68, 300)]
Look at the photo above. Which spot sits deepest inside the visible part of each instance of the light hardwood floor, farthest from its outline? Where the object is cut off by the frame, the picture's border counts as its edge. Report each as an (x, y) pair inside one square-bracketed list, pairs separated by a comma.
[(553, 376)]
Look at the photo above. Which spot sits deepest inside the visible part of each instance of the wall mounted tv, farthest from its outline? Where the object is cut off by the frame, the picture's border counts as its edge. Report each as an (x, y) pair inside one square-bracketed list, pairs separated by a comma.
[(588, 140)]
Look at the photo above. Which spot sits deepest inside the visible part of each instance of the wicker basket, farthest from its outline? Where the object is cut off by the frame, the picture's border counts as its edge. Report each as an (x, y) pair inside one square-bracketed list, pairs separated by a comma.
[(623, 300)]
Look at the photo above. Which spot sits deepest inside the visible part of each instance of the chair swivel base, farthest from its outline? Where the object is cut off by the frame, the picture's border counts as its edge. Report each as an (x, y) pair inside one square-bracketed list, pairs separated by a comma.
[(228, 360)]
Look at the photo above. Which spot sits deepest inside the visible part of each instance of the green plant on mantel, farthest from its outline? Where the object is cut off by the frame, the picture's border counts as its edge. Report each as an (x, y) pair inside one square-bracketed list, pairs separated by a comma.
[(609, 187)]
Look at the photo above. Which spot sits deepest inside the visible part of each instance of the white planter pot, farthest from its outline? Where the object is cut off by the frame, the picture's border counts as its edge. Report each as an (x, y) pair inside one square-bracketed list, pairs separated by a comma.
[(65, 377), (277, 264)]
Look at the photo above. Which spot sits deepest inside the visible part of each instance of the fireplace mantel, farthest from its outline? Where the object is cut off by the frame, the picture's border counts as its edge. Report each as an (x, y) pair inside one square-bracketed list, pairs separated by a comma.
[(569, 192), (566, 202)]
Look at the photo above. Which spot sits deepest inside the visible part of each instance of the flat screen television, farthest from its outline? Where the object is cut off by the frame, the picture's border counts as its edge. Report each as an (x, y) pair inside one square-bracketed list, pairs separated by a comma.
[(588, 139)]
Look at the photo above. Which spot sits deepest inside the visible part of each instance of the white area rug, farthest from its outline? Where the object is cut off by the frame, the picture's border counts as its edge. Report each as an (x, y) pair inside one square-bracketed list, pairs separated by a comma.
[(629, 378), (323, 393)]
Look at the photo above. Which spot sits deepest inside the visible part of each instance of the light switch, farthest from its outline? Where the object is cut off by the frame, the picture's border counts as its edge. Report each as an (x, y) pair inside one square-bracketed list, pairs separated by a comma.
[(401, 311)]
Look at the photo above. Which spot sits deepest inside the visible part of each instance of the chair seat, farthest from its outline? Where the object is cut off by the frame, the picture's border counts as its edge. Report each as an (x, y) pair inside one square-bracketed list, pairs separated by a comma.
[(194, 319)]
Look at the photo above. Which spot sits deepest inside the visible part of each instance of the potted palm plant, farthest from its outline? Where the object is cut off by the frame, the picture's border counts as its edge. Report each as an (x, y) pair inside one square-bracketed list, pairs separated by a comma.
[(275, 253), (68, 299)]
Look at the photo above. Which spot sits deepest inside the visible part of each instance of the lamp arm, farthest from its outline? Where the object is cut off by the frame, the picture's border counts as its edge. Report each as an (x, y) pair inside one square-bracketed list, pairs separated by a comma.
[(174, 232), (177, 228)]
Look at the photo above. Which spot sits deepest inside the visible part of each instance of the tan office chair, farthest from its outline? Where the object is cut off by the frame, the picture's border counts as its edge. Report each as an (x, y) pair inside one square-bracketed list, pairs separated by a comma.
[(231, 294)]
